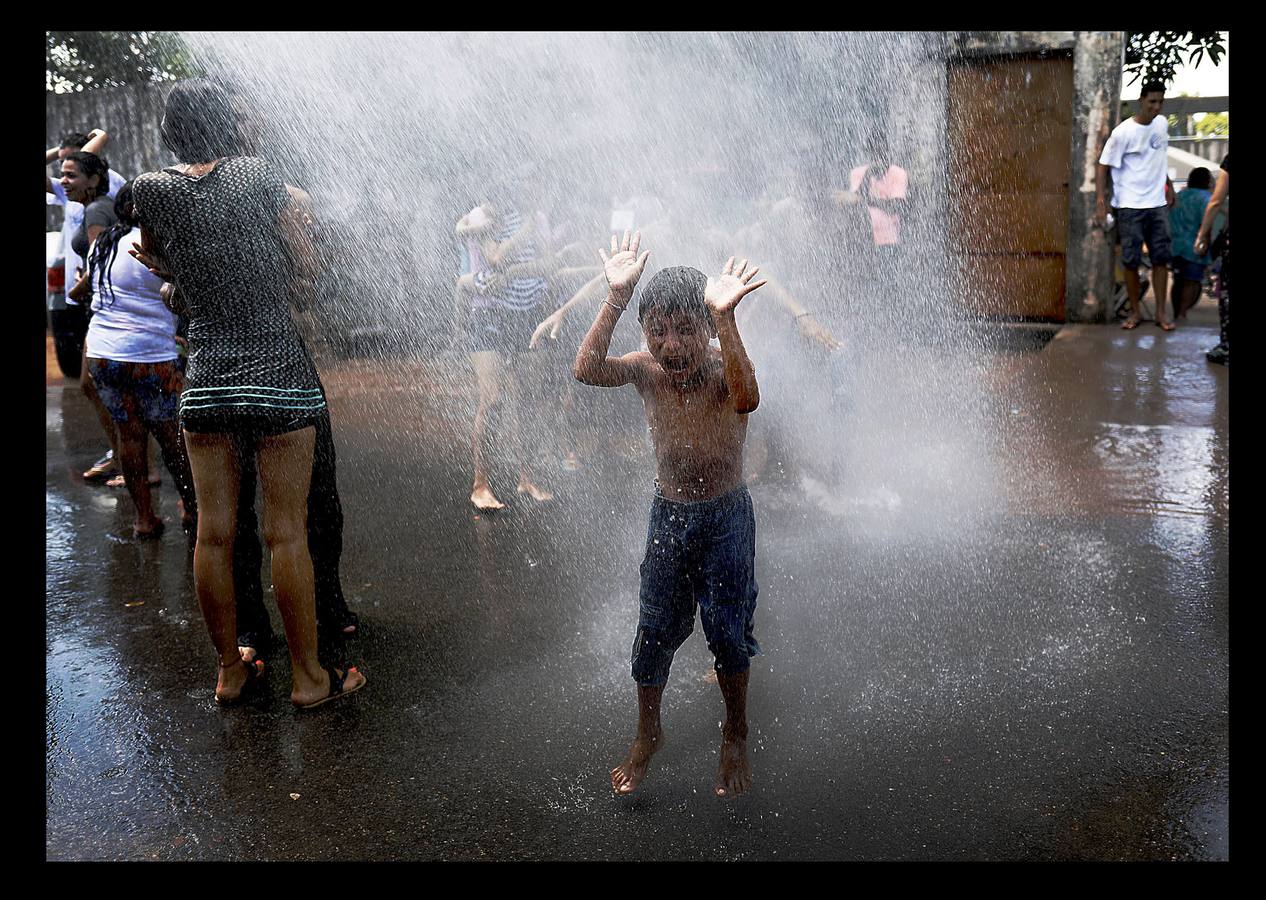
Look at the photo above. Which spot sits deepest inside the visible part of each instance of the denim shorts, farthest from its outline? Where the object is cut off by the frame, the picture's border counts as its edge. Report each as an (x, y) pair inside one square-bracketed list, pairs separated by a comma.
[(503, 330), (697, 554), (145, 392), (1139, 226), (1186, 268)]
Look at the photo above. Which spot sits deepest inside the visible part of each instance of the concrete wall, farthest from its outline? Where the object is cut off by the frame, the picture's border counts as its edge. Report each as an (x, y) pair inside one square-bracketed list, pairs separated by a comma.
[(918, 140), (130, 114), (1098, 57), (997, 43), (1212, 149)]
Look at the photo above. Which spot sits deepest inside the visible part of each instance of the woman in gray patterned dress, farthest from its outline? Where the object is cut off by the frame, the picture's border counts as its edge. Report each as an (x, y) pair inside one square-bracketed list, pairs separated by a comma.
[(224, 230)]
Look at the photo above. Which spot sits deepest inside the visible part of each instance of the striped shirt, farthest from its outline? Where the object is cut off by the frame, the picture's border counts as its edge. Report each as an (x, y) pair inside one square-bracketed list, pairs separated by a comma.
[(518, 294)]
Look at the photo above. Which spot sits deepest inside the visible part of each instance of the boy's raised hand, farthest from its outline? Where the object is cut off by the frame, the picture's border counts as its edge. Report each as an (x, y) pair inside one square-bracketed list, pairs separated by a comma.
[(726, 290), (624, 267)]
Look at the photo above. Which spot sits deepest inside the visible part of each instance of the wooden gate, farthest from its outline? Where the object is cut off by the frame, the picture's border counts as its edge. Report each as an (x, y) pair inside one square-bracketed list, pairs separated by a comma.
[(1010, 140)]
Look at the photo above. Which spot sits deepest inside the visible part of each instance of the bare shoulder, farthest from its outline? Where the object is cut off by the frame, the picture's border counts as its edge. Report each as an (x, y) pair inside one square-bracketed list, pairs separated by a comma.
[(642, 368)]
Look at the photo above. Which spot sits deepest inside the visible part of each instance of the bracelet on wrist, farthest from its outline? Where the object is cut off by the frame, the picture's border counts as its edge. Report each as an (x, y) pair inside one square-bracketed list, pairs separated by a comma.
[(614, 306)]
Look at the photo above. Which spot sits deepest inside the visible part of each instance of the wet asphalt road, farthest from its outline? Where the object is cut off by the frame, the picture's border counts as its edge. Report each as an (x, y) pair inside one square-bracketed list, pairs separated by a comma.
[(1042, 676)]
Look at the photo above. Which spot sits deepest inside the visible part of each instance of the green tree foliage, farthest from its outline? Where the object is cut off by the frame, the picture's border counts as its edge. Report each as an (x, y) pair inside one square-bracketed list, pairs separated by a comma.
[(1215, 124), (1155, 55), (87, 60)]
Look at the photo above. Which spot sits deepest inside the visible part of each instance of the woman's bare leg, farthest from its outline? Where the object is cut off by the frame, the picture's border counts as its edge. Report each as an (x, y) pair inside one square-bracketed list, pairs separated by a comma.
[(151, 461), (132, 442), (167, 435), (526, 406), (285, 472), (213, 462), (89, 388), (488, 366)]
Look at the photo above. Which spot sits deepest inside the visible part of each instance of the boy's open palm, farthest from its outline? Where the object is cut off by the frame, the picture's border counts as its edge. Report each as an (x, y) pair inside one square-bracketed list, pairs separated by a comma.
[(726, 290), (624, 267)]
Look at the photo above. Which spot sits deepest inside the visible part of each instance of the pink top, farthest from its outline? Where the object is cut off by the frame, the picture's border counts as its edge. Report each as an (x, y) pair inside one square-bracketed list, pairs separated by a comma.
[(892, 186)]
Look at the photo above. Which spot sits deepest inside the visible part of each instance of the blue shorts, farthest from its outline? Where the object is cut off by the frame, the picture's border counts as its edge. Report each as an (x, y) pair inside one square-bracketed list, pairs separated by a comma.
[(703, 554), (145, 392), (503, 330), (1186, 268), (1139, 226)]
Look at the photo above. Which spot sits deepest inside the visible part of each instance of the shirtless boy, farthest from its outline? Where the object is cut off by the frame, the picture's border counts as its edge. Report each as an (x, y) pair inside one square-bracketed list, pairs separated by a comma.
[(701, 543)]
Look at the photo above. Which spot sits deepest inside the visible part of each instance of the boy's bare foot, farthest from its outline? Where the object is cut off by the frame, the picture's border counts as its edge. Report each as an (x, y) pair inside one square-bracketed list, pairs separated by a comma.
[(1131, 323), (629, 774), (734, 774), (536, 493), (484, 498)]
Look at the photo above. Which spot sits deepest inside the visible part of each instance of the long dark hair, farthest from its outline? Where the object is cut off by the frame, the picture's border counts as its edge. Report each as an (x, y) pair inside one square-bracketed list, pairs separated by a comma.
[(106, 249), (199, 122)]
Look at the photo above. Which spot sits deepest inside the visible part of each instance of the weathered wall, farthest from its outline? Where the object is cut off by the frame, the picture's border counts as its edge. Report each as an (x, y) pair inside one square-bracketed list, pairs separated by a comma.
[(1098, 57), (990, 43), (917, 139), (130, 114)]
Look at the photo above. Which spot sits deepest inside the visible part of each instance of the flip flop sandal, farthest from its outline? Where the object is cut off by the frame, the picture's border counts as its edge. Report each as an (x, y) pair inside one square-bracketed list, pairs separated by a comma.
[(336, 687), (101, 468), (254, 682)]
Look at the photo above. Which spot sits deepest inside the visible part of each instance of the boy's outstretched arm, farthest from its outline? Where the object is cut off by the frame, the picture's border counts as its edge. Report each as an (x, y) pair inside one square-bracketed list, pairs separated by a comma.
[(623, 268), (722, 296)]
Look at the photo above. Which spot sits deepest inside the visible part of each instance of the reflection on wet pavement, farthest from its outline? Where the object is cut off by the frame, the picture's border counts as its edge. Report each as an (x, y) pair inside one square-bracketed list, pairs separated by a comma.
[(1009, 642)]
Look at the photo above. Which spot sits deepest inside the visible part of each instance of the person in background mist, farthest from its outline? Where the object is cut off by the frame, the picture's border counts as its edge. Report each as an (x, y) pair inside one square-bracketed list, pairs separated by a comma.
[(325, 510), (225, 231), (1220, 354), (883, 187), (787, 342), (701, 540), (1184, 224), (501, 297), (1134, 156), (634, 208)]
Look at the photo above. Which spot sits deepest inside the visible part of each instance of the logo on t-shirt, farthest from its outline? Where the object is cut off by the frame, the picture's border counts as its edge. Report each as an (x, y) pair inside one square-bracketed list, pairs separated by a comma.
[(1156, 141)]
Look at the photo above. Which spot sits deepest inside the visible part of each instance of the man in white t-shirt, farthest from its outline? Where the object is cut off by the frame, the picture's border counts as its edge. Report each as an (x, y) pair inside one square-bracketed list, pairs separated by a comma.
[(1135, 157)]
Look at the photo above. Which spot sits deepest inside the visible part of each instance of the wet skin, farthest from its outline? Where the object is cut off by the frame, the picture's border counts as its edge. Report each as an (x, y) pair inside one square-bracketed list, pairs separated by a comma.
[(697, 401), (79, 187), (697, 432)]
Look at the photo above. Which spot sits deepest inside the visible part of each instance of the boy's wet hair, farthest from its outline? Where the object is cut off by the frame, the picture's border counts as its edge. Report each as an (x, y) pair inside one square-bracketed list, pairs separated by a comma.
[(673, 290)]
